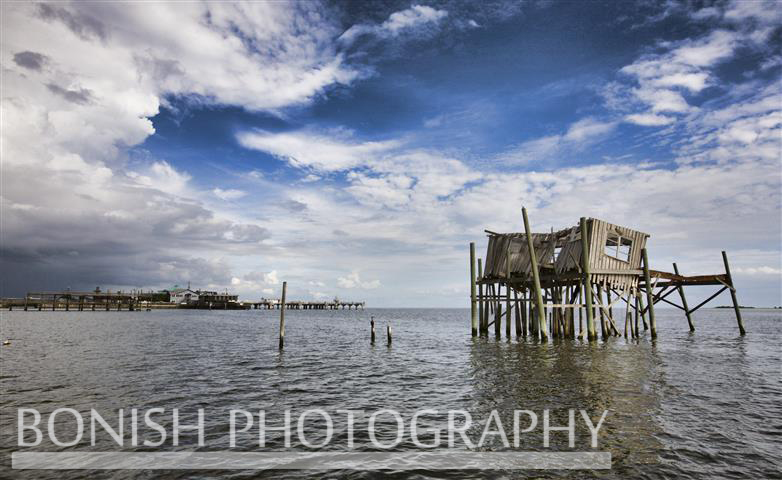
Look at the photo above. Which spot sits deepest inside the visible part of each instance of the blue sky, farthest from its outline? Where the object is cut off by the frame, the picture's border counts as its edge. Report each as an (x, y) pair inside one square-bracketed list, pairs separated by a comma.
[(356, 148)]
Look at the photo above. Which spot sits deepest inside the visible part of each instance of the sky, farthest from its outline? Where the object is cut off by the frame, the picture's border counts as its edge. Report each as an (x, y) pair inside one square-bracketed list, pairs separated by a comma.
[(355, 149)]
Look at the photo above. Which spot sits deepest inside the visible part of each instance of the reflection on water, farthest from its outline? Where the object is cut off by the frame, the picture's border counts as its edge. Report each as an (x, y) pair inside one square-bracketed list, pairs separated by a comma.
[(703, 406)]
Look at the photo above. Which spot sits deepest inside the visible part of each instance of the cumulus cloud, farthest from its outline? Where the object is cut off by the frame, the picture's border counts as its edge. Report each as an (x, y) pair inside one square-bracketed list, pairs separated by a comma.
[(80, 84), (404, 21), (663, 80)]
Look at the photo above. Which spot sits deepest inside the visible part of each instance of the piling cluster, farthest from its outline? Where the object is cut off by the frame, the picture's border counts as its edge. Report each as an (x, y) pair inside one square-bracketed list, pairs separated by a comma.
[(543, 281)]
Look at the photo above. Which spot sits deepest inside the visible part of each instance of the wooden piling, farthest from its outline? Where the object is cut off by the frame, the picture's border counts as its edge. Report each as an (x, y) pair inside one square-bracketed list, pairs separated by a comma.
[(282, 315), (581, 311), (649, 293), (684, 300), (388, 333), (523, 311), (508, 311), (517, 305), (483, 330), (535, 278), (642, 309), (372, 324), (498, 316), (473, 306), (601, 313), (587, 283), (733, 294)]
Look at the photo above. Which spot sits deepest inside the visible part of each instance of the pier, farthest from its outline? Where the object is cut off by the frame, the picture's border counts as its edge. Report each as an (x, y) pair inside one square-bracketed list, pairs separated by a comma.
[(81, 301), (137, 300), (542, 281), (271, 304)]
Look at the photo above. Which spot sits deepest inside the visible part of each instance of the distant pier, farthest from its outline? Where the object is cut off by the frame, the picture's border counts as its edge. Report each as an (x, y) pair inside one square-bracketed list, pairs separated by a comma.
[(137, 300), (271, 304)]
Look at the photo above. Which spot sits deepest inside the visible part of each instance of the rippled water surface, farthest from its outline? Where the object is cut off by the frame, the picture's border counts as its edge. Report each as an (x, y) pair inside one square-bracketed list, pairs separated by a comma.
[(703, 405)]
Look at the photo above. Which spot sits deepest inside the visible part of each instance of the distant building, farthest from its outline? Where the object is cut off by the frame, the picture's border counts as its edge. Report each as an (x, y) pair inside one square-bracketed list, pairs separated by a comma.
[(214, 297), (183, 295)]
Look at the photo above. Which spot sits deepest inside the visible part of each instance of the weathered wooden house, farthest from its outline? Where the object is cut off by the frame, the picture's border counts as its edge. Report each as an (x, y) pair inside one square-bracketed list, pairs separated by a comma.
[(547, 277)]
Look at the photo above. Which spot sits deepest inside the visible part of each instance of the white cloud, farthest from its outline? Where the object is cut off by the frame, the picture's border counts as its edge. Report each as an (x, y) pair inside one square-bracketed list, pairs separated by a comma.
[(649, 119), (411, 18), (228, 194), (404, 21), (353, 280), (271, 278), (83, 90), (763, 270), (579, 135), (314, 150)]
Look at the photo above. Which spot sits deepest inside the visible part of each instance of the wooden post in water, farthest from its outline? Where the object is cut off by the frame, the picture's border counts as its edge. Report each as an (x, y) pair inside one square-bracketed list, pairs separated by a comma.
[(282, 315), (535, 278), (733, 294), (372, 323), (481, 303), (637, 313), (518, 314), (473, 306), (603, 330), (649, 294), (508, 311), (523, 310), (642, 309), (581, 311), (498, 313), (587, 281), (684, 300), (388, 333)]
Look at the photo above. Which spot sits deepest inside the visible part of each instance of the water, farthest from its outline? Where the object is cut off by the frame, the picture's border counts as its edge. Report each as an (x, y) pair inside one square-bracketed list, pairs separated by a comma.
[(703, 405)]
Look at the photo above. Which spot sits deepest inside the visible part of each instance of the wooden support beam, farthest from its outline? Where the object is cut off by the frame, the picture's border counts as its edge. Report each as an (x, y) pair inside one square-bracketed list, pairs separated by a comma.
[(694, 309), (535, 278), (649, 298), (684, 301), (586, 280), (473, 304), (671, 303), (733, 294)]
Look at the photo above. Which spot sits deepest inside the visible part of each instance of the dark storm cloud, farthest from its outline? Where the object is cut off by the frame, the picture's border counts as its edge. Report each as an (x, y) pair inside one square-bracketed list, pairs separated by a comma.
[(30, 60), (141, 237), (82, 96), (82, 25)]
